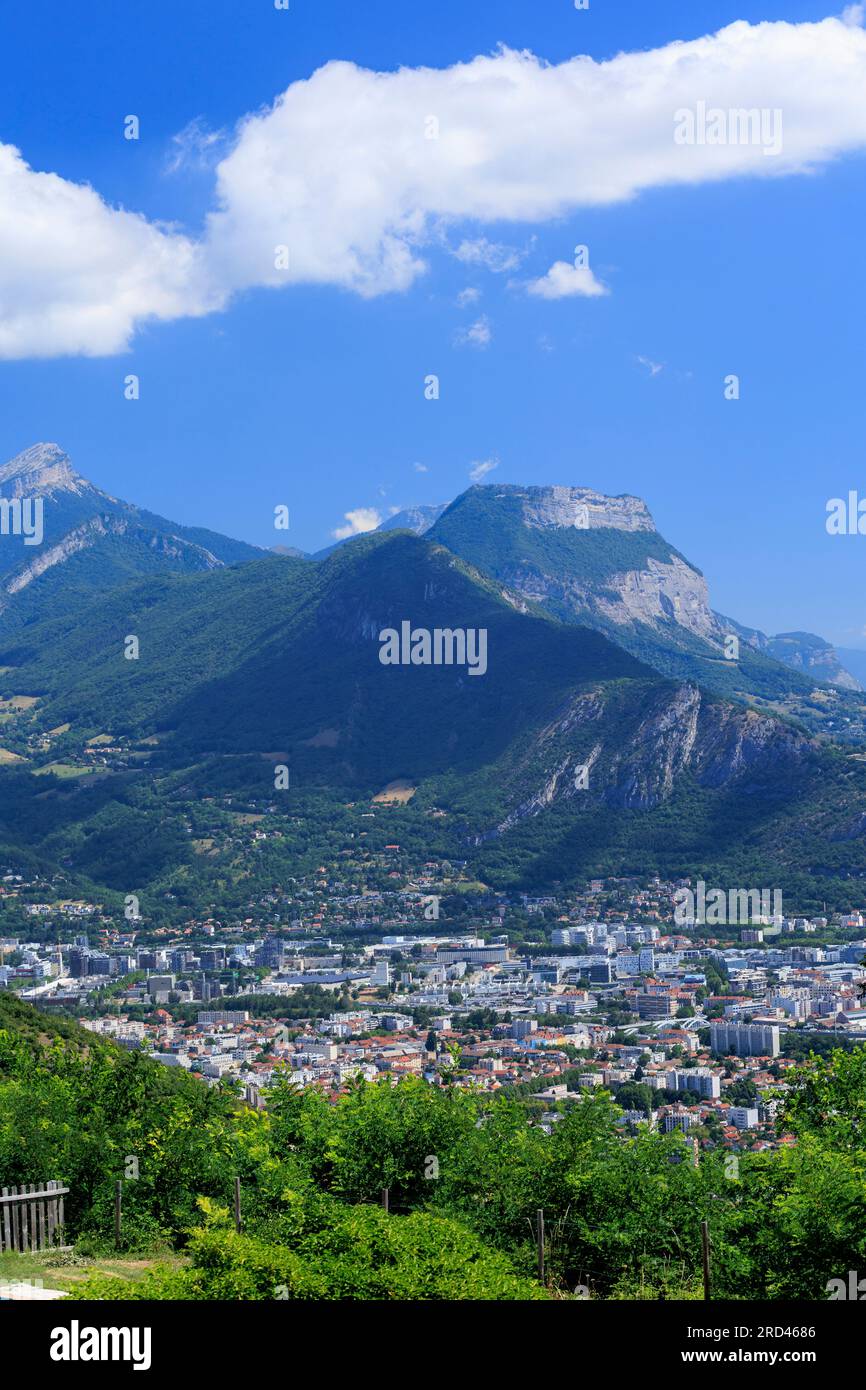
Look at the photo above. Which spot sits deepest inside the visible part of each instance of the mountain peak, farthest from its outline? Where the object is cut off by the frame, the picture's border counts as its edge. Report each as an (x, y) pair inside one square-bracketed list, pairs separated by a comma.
[(553, 508), (43, 468), (418, 519)]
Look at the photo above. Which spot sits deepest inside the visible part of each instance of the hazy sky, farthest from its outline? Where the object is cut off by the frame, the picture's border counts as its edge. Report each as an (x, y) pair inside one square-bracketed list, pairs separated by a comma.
[(429, 191)]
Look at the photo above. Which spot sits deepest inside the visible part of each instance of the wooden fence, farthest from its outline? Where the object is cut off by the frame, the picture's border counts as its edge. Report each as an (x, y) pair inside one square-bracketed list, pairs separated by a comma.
[(31, 1218)]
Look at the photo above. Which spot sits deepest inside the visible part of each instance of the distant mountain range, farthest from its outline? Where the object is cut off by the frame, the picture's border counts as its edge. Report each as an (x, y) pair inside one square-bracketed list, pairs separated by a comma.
[(610, 727), (92, 542), (582, 556)]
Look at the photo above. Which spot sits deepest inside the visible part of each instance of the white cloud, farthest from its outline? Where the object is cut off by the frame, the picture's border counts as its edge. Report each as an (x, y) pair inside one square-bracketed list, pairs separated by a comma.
[(490, 254), (195, 147), (420, 467), (77, 276), (339, 171), (480, 470), (358, 522), (652, 367), (468, 296), (564, 279), (478, 335)]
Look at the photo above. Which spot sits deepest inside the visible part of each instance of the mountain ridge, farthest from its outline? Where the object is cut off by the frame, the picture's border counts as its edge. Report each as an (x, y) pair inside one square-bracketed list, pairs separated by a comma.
[(110, 539)]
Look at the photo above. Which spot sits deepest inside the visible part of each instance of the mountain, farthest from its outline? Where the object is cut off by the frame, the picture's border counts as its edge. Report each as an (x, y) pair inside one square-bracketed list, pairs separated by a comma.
[(416, 519), (597, 560), (599, 737), (854, 662), (568, 756), (806, 652), (90, 542)]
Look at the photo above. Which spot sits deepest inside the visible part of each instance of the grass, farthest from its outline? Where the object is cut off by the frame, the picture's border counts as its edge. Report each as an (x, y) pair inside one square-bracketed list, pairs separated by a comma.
[(66, 1270), (63, 770), (399, 791)]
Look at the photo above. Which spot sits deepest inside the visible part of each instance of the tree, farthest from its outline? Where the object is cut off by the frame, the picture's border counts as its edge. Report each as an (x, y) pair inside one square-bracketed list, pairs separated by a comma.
[(632, 1095)]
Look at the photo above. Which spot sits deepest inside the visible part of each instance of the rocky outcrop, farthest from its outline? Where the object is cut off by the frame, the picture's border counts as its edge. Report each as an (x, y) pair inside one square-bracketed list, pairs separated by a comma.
[(171, 548), (582, 509), (662, 595), (678, 731), (43, 470)]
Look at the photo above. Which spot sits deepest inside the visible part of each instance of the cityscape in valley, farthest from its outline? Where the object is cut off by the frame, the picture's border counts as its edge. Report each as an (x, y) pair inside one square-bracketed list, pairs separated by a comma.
[(433, 667), (552, 995)]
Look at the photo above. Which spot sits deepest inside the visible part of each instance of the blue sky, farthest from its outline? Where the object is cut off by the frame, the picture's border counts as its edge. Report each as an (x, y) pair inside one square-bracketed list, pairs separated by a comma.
[(312, 394)]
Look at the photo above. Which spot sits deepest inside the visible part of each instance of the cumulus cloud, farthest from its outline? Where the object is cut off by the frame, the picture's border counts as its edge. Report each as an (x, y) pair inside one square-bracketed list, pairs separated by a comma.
[(358, 522), (420, 467), (77, 276), (468, 296), (480, 470), (339, 171), (478, 335), (564, 279)]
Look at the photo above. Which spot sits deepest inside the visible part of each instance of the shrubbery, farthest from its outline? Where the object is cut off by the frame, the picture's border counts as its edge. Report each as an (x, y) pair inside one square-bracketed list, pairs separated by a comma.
[(466, 1174)]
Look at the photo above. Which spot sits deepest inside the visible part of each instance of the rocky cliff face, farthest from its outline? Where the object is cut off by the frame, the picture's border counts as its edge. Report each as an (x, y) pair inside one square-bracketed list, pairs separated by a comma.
[(43, 470), (571, 574), (176, 553), (661, 595), (806, 652), (580, 508), (678, 730)]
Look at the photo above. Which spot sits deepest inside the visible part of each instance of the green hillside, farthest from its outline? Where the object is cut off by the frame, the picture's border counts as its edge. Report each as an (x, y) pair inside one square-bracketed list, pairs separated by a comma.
[(277, 662), (269, 655)]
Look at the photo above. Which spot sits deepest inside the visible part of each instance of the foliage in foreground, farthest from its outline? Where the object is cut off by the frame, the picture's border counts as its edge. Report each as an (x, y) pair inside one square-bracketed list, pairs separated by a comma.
[(348, 1253), (466, 1174)]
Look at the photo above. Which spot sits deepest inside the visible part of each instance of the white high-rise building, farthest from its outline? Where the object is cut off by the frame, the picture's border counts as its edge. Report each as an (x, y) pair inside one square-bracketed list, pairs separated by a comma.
[(746, 1039)]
